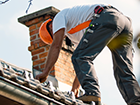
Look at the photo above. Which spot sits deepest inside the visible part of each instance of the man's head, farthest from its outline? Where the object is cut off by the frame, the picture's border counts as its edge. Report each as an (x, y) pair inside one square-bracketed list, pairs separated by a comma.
[(45, 31)]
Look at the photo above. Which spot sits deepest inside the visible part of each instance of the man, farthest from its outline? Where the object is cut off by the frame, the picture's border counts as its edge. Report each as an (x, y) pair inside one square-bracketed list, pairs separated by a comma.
[(108, 27)]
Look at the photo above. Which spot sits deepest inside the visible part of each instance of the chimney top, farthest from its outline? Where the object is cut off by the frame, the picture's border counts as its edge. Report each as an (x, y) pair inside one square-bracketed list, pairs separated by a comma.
[(49, 11)]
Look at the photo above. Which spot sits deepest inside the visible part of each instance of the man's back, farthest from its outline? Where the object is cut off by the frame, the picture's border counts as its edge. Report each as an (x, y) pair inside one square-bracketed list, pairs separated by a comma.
[(71, 17)]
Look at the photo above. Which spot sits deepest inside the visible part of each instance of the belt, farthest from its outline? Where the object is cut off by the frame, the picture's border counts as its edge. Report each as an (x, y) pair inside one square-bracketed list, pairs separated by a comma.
[(97, 12), (99, 9)]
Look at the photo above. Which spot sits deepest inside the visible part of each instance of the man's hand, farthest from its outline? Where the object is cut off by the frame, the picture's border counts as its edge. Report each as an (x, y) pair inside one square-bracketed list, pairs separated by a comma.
[(41, 77), (52, 55)]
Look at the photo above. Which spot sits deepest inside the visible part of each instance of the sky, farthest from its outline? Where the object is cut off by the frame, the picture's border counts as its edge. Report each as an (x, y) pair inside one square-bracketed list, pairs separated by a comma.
[(15, 40)]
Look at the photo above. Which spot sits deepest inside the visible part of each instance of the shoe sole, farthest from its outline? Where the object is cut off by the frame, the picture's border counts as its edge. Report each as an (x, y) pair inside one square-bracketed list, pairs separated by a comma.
[(89, 98)]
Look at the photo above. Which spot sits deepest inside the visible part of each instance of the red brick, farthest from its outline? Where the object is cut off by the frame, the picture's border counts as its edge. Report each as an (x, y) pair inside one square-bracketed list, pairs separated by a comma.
[(39, 36), (63, 61), (66, 73), (40, 18), (43, 55), (52, 72), (34, 21), (58, 69), (59, 64), (35, 41), (53, 68), (36, 45), (63, 78), (37, 51), (42, 44), (47, 16), (39, 61), (31, 22), (39, 24), (34, 58), (42, 66), (32, 37), (60, 75), (47, 48), (32, 27), (36, 67), (34, 32), (30, 48)]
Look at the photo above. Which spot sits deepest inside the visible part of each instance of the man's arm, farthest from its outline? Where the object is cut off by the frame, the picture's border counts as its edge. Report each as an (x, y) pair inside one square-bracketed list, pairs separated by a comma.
[(52, 55)]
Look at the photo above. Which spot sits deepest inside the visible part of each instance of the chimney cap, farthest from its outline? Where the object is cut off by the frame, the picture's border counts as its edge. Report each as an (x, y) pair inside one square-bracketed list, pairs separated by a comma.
[(47, 11)]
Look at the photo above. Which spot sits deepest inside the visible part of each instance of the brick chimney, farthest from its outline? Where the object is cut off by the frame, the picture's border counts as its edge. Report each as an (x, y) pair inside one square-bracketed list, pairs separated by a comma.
[(63, 70)]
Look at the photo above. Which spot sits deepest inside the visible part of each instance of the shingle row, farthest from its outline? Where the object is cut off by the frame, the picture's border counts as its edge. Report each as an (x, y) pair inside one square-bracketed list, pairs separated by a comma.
[(24, 77)]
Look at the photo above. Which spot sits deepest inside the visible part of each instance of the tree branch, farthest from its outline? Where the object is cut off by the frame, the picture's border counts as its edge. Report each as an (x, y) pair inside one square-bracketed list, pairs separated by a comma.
[(29, 6), (2, 2)]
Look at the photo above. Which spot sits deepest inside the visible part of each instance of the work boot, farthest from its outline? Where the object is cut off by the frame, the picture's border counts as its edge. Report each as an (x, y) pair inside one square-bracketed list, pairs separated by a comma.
[(94, 103), (98, 103), (90, 98)]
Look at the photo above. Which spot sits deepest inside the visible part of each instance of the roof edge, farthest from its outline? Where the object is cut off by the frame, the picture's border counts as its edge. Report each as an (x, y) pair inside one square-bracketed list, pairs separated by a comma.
[(23, 94)]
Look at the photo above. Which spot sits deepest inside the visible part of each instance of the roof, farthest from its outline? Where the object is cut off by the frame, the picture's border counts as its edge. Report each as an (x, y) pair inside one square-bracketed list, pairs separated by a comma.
[(17, 85)]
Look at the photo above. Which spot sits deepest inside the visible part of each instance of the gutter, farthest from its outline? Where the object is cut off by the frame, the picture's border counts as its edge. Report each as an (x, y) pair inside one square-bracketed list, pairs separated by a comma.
[(23, 94)]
